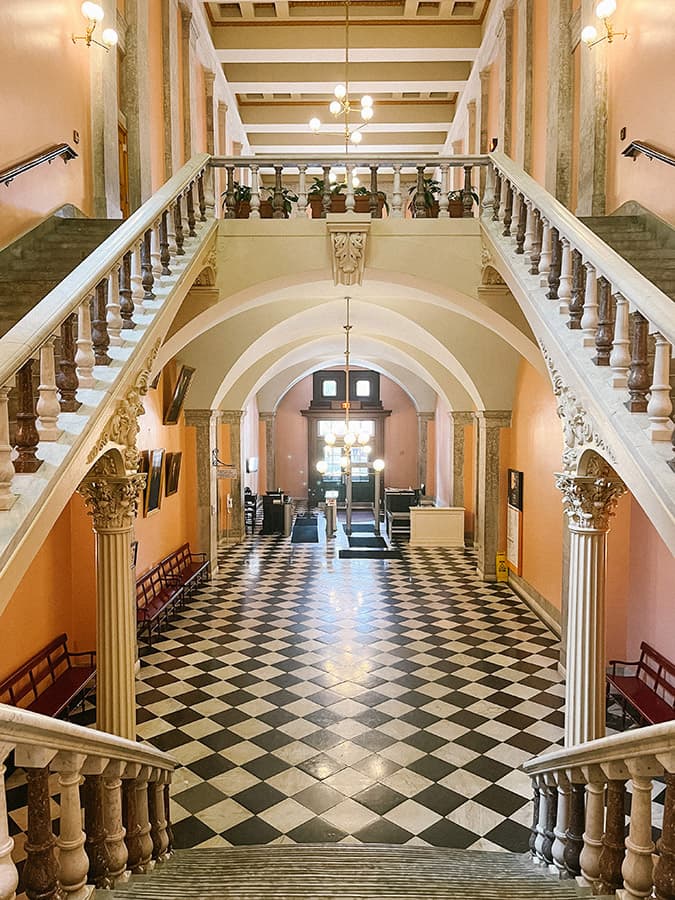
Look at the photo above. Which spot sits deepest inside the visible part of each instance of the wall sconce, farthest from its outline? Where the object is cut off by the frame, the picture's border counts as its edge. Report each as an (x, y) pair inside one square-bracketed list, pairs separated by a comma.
[(603, 11), (93, 13)]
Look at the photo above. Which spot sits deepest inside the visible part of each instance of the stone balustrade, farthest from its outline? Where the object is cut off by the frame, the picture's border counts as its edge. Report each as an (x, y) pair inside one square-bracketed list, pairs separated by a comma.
[(578, 827), (118, 788)]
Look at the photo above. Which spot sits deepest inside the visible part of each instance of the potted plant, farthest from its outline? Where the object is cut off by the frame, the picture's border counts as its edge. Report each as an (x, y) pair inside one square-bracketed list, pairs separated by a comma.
[(456, 203), (267, 202), (362, 200), (242, 200), (315, 197), (432, 190)]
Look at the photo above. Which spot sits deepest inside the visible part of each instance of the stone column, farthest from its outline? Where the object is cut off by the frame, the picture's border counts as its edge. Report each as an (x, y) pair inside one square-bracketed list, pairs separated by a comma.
[(486, 532), (523, 137), (232, 417), (186, 22), (270, 449), (136, 94), (471, 126), (171, 112), (458, 419), (112, 500), (505, 35), (104, 117), (593, 100), (423, 419), (589, 502), (204, 422), (483, 109), (209, 78), (559, 105)]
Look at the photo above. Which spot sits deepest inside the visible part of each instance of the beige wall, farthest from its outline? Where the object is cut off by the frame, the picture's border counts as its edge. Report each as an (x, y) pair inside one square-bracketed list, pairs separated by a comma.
[(400, 436), (291, 439), (251, 446)]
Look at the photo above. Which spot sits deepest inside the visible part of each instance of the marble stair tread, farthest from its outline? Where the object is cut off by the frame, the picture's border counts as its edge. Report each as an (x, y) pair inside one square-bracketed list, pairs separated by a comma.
[(313, 871)]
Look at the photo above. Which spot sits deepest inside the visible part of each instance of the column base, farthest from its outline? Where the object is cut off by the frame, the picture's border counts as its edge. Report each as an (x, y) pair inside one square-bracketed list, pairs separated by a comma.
[(484, 575)]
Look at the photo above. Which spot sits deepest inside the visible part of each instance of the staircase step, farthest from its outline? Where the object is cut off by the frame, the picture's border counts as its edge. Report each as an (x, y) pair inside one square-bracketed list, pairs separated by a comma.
[(343, 871)]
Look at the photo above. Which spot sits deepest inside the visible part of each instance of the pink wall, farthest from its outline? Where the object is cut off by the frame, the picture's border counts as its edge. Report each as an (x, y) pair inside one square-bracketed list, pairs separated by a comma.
[(290, 429), (442, 453), (400, 436), (250, 442)]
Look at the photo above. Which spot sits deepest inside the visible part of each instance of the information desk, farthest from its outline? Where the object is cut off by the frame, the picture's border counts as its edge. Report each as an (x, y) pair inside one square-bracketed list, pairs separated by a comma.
[(436, 526)]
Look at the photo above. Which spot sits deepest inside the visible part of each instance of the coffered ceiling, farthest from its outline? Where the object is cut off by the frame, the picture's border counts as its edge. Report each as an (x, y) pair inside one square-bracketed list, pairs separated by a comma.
[(284, 58)]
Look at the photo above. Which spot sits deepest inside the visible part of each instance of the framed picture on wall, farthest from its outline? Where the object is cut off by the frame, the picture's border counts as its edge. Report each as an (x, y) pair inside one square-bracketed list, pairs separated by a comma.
[(514, 521), (134, 554), (179, 392), (154, 468), (172, 473)]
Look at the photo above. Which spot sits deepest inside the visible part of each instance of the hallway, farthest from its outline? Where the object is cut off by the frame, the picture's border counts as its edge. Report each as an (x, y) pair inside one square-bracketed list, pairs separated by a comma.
[(311, 699)]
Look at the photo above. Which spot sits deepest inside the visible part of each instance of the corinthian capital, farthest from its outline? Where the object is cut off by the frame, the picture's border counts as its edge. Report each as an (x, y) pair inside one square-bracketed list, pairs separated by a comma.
[(589, 500), (112, 500)]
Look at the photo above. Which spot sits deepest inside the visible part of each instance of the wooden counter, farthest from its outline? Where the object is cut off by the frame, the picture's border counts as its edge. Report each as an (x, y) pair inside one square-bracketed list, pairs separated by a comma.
[(437, 526)]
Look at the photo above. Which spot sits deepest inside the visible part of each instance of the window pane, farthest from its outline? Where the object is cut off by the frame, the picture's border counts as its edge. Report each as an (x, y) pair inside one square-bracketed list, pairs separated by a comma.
[(331, 426), (362, 388), (359, 473), (329, 388)]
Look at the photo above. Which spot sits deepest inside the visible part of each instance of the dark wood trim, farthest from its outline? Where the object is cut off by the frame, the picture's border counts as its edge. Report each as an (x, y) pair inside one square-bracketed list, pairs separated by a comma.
[(64, 151), (635, 148)]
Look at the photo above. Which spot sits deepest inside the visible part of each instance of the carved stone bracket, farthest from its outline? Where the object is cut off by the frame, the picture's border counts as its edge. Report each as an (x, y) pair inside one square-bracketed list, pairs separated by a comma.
[(348, 235), (590, 500), (122, 427), (579, 429), (489, 274)]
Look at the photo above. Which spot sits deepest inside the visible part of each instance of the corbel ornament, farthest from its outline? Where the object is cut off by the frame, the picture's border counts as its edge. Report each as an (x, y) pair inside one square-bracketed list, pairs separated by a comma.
[(348, 249), (590, 500), (490, 277), (579, 429), (122, 427)]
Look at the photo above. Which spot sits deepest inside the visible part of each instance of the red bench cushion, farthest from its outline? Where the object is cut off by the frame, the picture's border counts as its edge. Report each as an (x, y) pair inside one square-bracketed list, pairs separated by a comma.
[(654, 708), (56, 697)]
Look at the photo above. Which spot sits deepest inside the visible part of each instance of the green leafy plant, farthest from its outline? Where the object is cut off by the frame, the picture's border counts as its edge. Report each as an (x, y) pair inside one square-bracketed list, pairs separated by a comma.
[(432, 190), (288, 195), (459, 195), (242, 194), (317, 187), (363, 191)]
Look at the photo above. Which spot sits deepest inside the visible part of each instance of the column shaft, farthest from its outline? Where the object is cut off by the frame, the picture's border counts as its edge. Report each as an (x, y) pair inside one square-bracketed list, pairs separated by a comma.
[(486, 532)]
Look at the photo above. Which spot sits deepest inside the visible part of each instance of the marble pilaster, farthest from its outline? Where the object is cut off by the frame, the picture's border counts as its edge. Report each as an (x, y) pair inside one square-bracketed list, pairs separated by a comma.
[(186, 26), (560, 102), (268, 418), (204, 422), (505, 36), (593, 102), (458, 419), (170, 106), (232, 418), (136, 102), (483, 110), (471, 126), (486, 531), (525, 44), (423, 419), (104, 128), (209, 78)]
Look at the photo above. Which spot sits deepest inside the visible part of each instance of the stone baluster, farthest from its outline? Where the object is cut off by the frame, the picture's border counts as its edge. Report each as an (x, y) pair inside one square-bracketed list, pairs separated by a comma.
[(508, 208), (550, 817), (613, 845), (556, 265), (497, 202), (467, 193), (158, 835), (278, 196), (84, 355), (565, 283), (66, 377), (420, 205), (167, 812), (515, 212), (126, 298), (562, 786), (94, 827), (155, 251), (26, 435), (535, 249), (113, 312), (73, 860), (443, 202), (48, 407), (545, 257), (589, 319), (115, 847), (178, 224), (7, 498), (201, 196), (40, 869), (605, 330), (147, 278), (302, 190), (535, 818), (637, 869), (664, 872), (255, 193), (375, 210), (576, 304), (230, 202), (190, 205), (396, 196), (164, 251), (137, 276), (135, 808), (99, 325), (660, 404), (619, 358), (171, 232), (589, 858), (326, 196), (540, 836), (638, 375), (522, 226), (529, 227), (9, 876), (350, 201), (574, 836), (130, 819)]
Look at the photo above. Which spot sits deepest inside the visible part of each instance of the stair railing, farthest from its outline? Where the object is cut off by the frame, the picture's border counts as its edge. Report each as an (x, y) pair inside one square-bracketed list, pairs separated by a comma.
[(62, 151), (578, 827), (625, 321), (635, 148), (122, 786)]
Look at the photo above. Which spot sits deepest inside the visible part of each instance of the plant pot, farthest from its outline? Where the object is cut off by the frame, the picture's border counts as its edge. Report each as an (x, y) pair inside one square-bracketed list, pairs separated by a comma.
[(362, 204), (266, 209), (432, 211), (456, 209), (242, 210), (337, 204)]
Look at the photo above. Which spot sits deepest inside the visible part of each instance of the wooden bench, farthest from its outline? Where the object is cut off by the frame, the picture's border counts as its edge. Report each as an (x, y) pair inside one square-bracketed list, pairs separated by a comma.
[(185, 568), (155, 599), (650, 691), (48, 682)]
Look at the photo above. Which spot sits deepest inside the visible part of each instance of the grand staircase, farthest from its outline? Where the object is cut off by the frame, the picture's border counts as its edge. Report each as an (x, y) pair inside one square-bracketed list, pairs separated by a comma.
[(314, 871)]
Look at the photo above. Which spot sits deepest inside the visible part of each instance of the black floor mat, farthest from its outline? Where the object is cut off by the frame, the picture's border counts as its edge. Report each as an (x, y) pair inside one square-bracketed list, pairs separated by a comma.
[(371, 541), (305, 534)]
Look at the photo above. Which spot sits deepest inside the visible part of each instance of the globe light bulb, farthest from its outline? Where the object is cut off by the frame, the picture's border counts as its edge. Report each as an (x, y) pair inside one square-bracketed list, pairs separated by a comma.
[(589, 34), (367, 449), (92, 11), (315, 123), (349, 438), (605, 9), (367, 113), (322, 467), (378, 465), (335, 107), (364, 437), (356, 137), (366, 100), (340, 91), (109, 37), (330, 439), (344, 462), (356, 181), (332, 177)]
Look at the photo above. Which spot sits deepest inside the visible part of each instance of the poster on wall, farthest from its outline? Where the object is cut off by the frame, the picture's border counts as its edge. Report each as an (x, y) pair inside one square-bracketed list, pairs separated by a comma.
[(514, 522)]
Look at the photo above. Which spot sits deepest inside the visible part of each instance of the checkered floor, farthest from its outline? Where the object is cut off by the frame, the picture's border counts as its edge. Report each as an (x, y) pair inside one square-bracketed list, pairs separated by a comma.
[(309, 698)]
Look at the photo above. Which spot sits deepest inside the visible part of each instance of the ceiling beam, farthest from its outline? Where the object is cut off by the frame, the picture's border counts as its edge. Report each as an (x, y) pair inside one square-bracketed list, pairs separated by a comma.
[(357, 87), (337, 55)]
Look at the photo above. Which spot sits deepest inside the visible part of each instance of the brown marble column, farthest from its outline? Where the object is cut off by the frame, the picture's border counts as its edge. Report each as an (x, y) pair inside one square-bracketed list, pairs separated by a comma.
[(232, 417), (204, 421), (270, 449), (505, 35), (423, 419), (486, 532)]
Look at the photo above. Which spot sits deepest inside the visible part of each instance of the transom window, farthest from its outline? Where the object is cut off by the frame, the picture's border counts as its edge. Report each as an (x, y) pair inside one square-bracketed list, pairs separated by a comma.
[(363, 388), (329, 388), (338, 427)]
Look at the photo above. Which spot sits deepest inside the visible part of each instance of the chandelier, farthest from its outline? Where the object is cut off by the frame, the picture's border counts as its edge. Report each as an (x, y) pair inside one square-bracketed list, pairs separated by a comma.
[(342, 106)]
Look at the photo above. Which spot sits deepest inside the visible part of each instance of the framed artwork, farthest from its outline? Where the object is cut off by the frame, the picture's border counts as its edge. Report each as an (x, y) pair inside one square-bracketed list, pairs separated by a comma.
[(172, 473), (134, 554), (180, 390), (514, 522), (153, 487), (515, 491)]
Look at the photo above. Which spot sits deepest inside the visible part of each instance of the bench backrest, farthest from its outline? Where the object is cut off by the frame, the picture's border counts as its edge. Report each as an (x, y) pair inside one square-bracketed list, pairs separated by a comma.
[(25, 685), (657, 672), (149, 586)]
